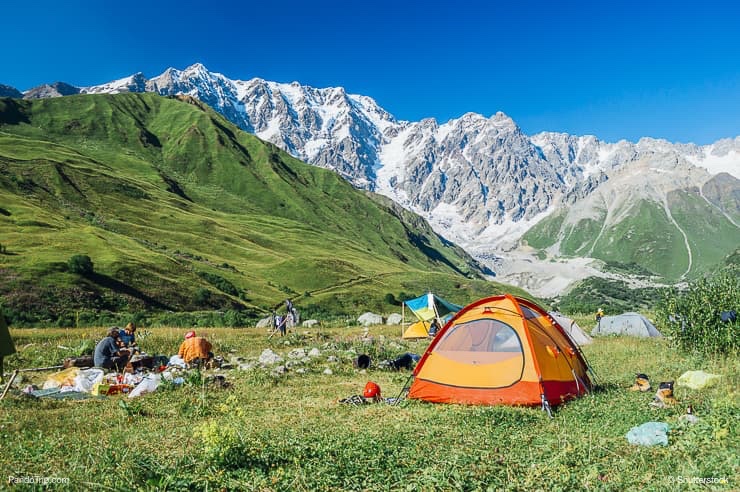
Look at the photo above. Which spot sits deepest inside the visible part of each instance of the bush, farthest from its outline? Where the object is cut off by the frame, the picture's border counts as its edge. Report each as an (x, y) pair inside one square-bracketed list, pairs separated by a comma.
[(692, 317), (81, 264), (202, 297), (220, 283)]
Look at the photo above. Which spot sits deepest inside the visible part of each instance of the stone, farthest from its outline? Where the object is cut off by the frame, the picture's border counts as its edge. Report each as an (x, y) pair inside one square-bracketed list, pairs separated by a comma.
[(369, 319), (268, 357), (298, 353)]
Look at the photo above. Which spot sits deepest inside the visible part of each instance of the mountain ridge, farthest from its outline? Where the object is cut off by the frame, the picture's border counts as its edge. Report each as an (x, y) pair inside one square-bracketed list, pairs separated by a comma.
[(481, 182), (180, 210)]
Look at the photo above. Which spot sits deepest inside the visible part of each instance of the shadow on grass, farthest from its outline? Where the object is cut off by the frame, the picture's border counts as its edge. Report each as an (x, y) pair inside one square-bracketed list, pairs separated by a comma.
[(110, 283), (603, 387)]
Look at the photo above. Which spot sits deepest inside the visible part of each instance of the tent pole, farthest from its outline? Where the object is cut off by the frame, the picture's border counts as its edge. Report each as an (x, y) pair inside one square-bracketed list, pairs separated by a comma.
[(403, 317), (405, 388), (436, 315)]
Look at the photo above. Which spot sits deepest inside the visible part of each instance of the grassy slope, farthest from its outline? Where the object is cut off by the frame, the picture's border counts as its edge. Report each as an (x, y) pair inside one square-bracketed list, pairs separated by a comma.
[(545, 233), (722, 190), (290, 433), (711, 235), (648, 238), (158, 190)]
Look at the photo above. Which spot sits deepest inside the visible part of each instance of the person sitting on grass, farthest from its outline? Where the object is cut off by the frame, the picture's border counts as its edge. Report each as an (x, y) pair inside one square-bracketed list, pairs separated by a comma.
[(195, 350), (109, 354), (127, 336)]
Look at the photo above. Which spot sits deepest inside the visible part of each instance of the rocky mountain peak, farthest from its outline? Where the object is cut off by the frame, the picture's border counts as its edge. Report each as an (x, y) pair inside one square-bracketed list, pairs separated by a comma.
[(8, 91), (57, 89), (476, 179)]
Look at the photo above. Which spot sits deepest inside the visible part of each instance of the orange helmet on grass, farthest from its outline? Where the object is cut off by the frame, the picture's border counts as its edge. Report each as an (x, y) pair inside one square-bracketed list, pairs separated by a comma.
[(372, 390)]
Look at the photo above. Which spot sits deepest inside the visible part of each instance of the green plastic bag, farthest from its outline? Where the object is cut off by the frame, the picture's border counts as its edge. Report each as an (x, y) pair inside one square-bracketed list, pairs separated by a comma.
[(697, 379)]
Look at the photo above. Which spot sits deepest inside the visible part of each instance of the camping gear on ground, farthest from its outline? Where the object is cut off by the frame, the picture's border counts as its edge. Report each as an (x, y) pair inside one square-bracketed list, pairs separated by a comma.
[(629, 324), (87, 379), (427, 308), (697, 379), (571, 328), (354, 400), (418, 329), (371, 394), (689, 416), (372, 390), (103, 389), (148, 385), (728, 316), (62, 378), (141, 361), (649, 434), (177, 361), (664, 395), (84, 361), (38, 369), (406, 361), (501, 350), (362, 362), (642, 383), (10, 381), (60, 394), (358, 400)]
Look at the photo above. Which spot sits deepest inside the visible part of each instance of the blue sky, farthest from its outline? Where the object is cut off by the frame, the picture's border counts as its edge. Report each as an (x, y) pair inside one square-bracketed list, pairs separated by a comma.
[(612, 69)]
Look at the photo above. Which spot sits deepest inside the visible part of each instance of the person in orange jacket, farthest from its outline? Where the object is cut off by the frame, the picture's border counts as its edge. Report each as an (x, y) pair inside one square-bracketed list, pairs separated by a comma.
[(195, 350)]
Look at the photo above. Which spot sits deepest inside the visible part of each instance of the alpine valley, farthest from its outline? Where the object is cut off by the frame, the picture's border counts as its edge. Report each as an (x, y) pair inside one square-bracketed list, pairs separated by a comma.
[(542, 211), (139, 203)]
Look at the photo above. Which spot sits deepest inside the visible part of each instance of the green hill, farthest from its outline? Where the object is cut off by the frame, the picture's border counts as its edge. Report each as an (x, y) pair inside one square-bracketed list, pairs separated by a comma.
[(181, 211), (645, 235)]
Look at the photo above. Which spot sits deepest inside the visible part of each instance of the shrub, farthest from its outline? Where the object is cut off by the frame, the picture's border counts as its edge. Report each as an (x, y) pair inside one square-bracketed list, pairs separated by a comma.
[(219, 282), (81, 264), (692, 317), (202, 297)]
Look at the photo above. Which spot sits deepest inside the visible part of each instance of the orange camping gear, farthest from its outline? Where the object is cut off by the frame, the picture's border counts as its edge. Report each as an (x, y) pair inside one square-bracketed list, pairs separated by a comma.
[(372, 390)]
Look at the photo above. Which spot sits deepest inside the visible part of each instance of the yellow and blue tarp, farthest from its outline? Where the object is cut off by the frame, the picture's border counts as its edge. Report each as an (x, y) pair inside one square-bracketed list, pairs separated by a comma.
[(426, 308)]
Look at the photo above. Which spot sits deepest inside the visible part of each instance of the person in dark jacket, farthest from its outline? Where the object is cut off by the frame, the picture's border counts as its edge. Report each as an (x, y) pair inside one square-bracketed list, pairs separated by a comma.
[(108, 353)]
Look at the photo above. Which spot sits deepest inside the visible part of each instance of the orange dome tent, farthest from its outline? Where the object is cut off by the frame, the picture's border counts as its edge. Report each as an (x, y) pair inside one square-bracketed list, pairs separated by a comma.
[(502, 350)]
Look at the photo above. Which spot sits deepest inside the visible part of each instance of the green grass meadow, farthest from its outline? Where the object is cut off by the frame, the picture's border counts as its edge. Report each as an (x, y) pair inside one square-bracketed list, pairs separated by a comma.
[(180, 211), (271, 431)]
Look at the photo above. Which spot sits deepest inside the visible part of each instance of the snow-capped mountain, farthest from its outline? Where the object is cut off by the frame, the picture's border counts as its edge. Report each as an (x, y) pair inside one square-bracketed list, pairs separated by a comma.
[(481, 182)]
